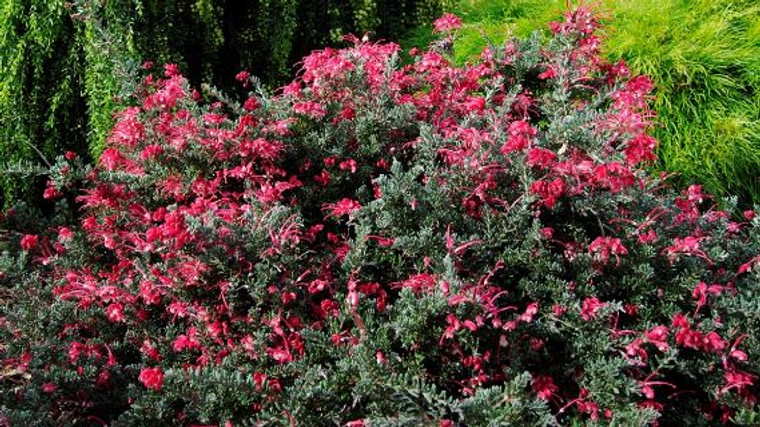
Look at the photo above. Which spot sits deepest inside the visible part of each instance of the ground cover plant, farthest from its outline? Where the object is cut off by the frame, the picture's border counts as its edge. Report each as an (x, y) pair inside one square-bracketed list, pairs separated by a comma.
[(386, 244), (704, 57)]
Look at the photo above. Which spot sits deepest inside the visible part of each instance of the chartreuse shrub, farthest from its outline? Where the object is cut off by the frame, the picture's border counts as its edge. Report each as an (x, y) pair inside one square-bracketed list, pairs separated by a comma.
[(387, 244), (704, 56)]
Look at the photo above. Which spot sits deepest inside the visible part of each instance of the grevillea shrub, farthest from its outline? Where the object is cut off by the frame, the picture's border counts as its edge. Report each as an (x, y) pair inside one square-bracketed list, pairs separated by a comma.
[(389, 244)]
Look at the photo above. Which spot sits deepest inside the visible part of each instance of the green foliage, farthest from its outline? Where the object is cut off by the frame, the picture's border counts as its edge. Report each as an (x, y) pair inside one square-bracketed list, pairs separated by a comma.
[(41, 78), (110, 58), (704, 56)]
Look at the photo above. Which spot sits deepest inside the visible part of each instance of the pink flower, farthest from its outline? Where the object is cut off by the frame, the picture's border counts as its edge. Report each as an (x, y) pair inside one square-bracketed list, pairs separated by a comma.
[(547, 232), (738, 380), (311, 109), (251, 104), (446, 23), (65, 234), (559, 310), (640, 148), (603, 247), (29, 242), (590, 308), (739, 355), (540, 157), (544, 387), (128, 130), (549, 192), (115, 312), (167, 96), (178, 309), (419, 282), (713, 343), (475, 103), (530, 311), (749, 265), (349, 164), (343, 207), (383, 242), (111, 159), (688, 245), (294, 89), (50, 192), (242, 76), (281, 354), (613, 175), (152, 378), (520, 135), (171, 70), (548, 74), (347, 113), (149, 350), (186, 342), (151, 151), (658, 336), (634, 349), (648, 237)]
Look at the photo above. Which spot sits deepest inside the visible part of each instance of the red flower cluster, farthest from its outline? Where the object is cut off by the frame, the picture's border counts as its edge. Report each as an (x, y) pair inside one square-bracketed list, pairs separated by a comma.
[(447, 23), (152, 378)]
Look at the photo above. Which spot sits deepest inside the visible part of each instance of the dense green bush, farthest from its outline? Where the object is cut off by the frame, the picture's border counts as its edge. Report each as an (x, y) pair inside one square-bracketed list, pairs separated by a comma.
[(704, 56), (386, 244), (64, 66)]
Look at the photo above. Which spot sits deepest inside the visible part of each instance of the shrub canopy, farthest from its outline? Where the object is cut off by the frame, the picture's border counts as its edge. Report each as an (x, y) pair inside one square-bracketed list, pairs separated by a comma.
[(422, 244)]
